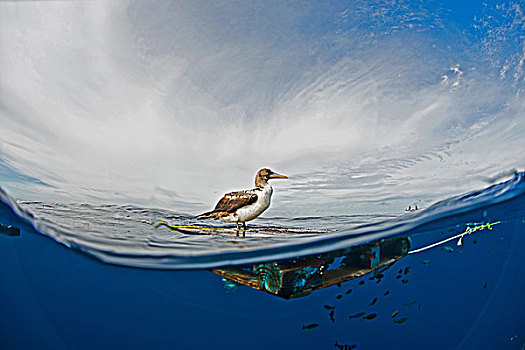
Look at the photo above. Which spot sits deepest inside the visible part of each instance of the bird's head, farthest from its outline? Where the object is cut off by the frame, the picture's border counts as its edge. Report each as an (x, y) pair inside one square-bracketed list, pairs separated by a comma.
[(266, 174)]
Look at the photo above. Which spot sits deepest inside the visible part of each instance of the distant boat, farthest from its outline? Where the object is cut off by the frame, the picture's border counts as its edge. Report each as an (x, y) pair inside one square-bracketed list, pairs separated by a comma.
[(410, 209)]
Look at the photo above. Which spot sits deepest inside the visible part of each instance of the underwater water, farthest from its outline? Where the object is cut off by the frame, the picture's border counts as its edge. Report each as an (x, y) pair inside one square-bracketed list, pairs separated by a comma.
[(121, 121), (465, 292)]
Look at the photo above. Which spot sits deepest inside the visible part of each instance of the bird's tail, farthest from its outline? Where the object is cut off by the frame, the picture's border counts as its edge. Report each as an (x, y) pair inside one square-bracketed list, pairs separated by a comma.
[(214, 214), (207, 215)]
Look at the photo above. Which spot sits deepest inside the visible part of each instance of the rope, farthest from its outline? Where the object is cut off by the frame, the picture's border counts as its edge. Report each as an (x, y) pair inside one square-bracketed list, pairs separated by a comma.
[(467, 231), (174, 227)]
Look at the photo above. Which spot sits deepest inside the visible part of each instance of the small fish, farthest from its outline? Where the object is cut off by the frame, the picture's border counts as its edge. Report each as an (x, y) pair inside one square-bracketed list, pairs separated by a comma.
[(328, 307), (339, 285), (475, 241), (448, 249), (345, 346), (407, 270), (339, 296), (332, 313), (410, 303), (356, 315), (404, 280), (370, 317), (401, 320), (311, 326), (373, 301), (398, 277), (485, 285), (349, 291), (419, 307), (395, 313), (400, 271), (387, 292), (425, 262), (361, 282), (380, 275)]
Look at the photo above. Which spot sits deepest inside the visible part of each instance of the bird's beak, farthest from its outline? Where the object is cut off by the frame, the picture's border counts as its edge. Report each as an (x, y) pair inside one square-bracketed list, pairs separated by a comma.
[(278, 176)]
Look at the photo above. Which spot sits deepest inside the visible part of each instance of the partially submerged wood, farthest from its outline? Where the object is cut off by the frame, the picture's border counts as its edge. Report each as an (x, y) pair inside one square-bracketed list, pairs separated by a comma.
[(232, 230), (299, 277)]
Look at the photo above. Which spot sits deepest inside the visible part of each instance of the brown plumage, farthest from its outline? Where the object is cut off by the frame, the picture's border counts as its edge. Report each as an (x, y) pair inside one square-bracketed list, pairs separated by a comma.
[(230, 203)]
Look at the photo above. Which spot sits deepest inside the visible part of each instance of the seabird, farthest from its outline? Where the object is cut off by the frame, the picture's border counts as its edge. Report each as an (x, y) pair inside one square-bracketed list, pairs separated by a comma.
[(242, 206)]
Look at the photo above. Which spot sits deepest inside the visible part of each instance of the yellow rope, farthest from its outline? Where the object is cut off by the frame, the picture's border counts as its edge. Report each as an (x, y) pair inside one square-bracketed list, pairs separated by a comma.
[(174, 227)]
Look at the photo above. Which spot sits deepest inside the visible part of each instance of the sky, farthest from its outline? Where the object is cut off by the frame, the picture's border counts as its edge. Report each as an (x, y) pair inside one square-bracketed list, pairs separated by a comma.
[(368, 106)]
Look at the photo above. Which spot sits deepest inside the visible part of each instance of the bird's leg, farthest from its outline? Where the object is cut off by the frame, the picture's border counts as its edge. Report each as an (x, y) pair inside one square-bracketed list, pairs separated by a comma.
[(244, 229), (237, 226)]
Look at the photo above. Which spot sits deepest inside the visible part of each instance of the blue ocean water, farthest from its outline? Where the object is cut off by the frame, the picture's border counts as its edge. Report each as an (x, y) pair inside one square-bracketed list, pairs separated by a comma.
[(448, 296), (116, 116)]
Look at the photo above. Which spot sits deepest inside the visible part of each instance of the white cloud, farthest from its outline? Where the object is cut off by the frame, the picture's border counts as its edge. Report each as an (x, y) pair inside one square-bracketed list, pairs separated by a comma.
[(117, 101)]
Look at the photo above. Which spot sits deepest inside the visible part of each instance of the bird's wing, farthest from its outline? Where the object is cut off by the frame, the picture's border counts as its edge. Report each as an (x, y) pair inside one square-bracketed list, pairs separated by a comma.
[(235, 200)]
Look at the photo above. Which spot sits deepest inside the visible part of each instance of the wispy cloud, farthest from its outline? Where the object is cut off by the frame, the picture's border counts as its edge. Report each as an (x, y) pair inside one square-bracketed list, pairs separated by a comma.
[(131, 101)]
